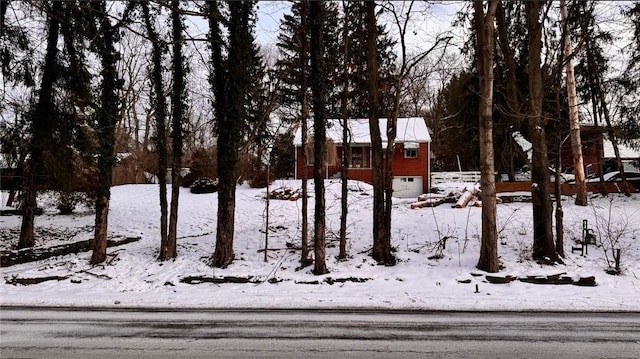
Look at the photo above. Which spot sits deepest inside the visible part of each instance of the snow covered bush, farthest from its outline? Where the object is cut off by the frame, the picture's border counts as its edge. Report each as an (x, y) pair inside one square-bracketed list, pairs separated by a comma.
[(204, 185)]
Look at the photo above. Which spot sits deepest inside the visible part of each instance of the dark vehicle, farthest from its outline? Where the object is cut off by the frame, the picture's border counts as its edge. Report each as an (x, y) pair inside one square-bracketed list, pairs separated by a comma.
[(204, 185), (632, 177)]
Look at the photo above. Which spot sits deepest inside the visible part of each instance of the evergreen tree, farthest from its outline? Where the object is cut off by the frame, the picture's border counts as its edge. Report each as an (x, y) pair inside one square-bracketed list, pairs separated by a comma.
[(44, 110), (238, 70), (385, 57), (630, 82), (294, 35), (593, 69)]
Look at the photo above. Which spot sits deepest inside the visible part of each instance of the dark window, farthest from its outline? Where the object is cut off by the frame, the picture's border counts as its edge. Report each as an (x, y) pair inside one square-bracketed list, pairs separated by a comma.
[(410, 153), (360, 157)]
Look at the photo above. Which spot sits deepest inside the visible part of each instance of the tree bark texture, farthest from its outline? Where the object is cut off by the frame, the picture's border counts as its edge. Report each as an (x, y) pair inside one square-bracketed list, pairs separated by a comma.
[(229, 127), (178, 114), (160, 109), (558, 194), (107, 119), (40, 129), (305, 259), (223, 254), (346, 148), (378, 252), (318, 83), (3, 11), (574, 121), (485, 35), (543, 246)]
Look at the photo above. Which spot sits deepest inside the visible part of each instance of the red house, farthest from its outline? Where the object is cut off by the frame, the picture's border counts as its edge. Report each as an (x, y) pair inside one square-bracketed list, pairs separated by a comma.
[(411, 159), (597, 152)]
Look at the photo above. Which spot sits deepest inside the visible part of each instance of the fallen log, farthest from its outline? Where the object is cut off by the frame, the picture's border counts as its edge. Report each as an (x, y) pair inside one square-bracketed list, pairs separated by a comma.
[(26, 255), (219, 280), (427, 203), (464, 199), (30, 281)]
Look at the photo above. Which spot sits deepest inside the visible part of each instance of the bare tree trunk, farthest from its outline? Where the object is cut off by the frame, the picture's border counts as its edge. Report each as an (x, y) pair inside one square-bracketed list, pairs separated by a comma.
[(40, 128), (318, 75), (160, 110), (574, 123), (559, 210), (178, 114), (376, 140), (543, 246), (305, 260), (346, 147), (485, 34), (266, 211), (3, 11), (223, 254), (392, 125), (107, 120)]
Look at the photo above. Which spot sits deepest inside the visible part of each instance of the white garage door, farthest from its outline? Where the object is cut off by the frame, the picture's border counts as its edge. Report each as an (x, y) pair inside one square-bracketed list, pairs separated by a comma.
[(405, 187)]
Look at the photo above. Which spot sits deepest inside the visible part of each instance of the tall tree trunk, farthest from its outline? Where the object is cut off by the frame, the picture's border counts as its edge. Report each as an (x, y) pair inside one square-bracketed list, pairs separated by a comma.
[(318, 75), (558, 194), (107, 120), (392, 125), (229, 127), (223, 254), (3, 11), (543, 246), (177, 117), (378, 252), (485, 34), (160, 111), (40, 123), (574, 121), (305, 259), (346, 146)]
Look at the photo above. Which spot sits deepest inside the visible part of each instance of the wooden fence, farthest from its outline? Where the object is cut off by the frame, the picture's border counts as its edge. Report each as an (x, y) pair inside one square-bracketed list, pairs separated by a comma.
[(524, 186), (445, 177), (565, 188)]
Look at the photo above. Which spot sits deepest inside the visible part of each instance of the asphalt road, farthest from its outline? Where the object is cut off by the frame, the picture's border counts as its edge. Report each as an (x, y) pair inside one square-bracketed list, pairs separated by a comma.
[(86, 333)]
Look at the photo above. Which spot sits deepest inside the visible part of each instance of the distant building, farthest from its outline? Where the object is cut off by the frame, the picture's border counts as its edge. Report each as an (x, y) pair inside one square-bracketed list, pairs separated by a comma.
[(411, 161)]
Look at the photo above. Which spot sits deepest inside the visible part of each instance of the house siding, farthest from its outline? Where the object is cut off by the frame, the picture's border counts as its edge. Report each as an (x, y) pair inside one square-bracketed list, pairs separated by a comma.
[(402, 167), (591, 138)]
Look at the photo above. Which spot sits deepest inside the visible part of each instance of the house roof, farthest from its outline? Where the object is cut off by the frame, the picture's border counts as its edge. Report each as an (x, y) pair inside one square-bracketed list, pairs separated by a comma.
[(409, 129), (626, 152)]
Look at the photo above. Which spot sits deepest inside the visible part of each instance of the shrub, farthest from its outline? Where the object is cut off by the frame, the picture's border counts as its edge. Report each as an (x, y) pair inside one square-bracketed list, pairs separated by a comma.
[(204, 185)]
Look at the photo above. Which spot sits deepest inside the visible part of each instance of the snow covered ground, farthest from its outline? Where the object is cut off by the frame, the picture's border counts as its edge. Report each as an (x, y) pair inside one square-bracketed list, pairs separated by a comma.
[(133, 277)]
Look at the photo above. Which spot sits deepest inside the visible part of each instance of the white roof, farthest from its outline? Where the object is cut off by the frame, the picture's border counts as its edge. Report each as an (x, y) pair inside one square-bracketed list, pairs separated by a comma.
[(625, 151), (409, 129)]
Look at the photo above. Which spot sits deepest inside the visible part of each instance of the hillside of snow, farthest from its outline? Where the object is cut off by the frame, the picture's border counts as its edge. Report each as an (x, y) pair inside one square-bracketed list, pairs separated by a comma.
[(431, 274)]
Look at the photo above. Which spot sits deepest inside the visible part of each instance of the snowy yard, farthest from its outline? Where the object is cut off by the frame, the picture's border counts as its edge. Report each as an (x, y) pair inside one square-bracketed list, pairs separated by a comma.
[(132, 276)]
